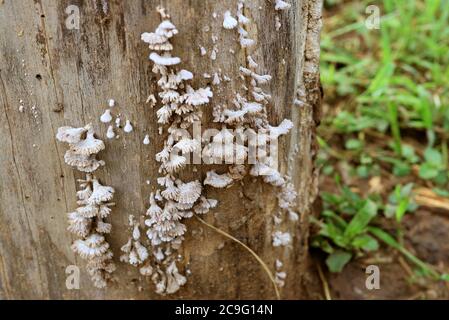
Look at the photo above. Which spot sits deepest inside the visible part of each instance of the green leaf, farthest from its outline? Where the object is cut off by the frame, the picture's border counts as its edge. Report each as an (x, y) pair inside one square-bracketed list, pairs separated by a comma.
[(408, 152), (363, 171), (353, 144), (427, 171), (433, 157), (444, 277), (361, 219), (401, 209), (337, 260), (323, 244), (365, 242), (401, 169), (327, 170), (390, 210), (389, 240)]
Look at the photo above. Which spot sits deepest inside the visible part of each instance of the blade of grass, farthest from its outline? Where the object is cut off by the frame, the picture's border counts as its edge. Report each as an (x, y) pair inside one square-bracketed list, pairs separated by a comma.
[(389, 240)]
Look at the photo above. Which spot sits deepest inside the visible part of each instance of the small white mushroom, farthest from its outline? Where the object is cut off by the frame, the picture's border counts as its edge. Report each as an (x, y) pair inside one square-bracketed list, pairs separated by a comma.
[(217, 180), (281, 238), (243, 19), (164, 60), (229, 22), (151, 100), (106, 116), (213, 55), (111, 103), (279, 264), (128, 127), (117, 122), (282, 5), (146, 140), (203, 51), (216, 81), (110, 133), (251, 63), (185, 75), (246, 42)]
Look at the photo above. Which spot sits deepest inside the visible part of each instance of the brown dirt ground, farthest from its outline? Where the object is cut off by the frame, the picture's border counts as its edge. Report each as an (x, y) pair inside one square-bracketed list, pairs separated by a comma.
[(426, 234)]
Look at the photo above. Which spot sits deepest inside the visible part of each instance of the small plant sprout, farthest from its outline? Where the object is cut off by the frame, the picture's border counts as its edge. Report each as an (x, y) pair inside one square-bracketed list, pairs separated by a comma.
[(87, 221), (110, 134), (229, 22), (146, 140), (106, 116), (128, 127), (111, 103)]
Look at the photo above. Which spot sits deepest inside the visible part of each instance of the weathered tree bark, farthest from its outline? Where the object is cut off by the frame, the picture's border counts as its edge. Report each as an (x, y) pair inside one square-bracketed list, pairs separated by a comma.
[(64, 77)]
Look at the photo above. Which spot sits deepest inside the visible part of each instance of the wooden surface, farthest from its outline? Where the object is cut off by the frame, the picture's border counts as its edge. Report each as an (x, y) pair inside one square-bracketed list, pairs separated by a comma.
[(64, 77)]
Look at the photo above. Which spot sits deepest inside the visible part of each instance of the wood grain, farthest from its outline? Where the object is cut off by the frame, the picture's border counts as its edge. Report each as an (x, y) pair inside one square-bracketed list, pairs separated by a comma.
[(64, 77)]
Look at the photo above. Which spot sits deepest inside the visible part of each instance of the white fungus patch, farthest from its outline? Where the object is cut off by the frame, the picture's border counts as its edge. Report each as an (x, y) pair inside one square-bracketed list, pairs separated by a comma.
[(87, 221), (128, 127), (281, 238), (164, 60), (151, 100), (281, 5), (217, 180), (110, 134), (175, 199), (134, 253), (216, 81), (106, 117), (213, 55), (229, 22)]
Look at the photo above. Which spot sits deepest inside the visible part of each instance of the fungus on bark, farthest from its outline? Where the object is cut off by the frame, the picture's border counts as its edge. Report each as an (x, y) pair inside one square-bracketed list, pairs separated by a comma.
[(175, 199), (87, 221)]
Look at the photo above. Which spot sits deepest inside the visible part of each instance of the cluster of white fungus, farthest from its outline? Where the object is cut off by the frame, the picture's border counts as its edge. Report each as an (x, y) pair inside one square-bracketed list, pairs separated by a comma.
[(176, 199), (87, 221), (107, 117), (245, 41), (251, 114), (83, 147), (134, 253)]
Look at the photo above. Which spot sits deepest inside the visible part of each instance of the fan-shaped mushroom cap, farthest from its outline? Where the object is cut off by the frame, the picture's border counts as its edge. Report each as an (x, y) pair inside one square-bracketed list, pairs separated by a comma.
[(69, 134), (217, 180)]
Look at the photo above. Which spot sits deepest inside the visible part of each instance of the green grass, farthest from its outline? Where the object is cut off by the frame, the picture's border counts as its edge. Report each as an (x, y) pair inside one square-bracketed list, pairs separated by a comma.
[(386, 114)]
